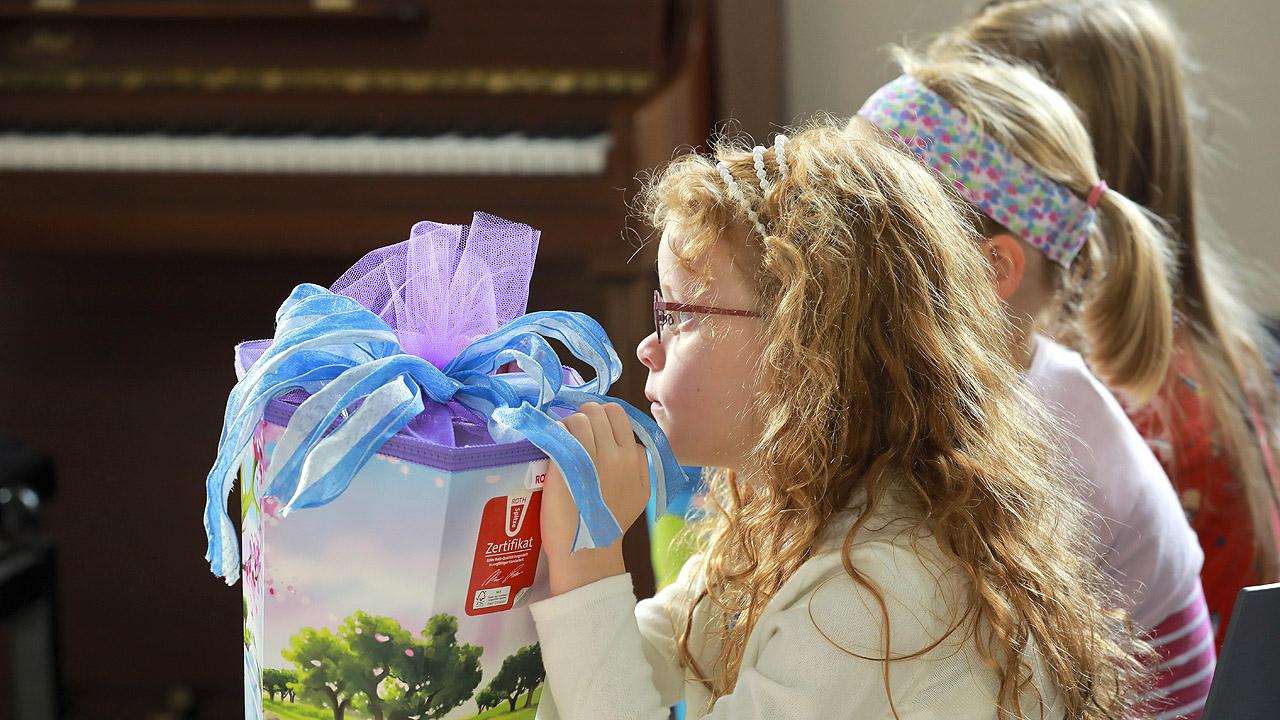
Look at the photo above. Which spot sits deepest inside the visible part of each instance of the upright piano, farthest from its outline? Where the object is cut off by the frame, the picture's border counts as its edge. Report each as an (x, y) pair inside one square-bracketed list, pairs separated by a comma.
[(327, 127), (207, 135)]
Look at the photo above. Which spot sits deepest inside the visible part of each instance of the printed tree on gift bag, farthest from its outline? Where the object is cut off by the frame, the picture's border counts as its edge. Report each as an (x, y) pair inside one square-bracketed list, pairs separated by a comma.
[(278, 682), (325, 664), (376, 666), (378, 642), (488, 698), (436, 675), (521, 672)]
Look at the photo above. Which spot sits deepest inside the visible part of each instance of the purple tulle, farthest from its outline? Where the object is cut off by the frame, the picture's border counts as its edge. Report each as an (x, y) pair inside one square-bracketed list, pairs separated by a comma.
[(440, 290), (447, 284)]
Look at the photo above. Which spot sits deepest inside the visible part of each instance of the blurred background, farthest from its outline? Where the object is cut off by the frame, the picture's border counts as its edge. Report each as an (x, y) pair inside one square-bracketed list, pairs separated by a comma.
[(169, 170)]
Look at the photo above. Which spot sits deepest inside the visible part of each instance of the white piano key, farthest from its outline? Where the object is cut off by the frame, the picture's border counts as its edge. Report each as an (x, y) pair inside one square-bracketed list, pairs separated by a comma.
[(450, 154)]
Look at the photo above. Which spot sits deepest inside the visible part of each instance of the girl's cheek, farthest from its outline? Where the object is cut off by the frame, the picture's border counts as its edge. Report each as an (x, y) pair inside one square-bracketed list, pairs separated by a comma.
[(679, 374), (676, 350)]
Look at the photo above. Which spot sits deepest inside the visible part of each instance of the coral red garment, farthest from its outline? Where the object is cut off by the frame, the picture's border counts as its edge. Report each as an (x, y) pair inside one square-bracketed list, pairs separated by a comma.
[(1180, 428)]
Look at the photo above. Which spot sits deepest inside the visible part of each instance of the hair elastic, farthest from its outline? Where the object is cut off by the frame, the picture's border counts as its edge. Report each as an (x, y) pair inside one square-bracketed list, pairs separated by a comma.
[(1095, 195)]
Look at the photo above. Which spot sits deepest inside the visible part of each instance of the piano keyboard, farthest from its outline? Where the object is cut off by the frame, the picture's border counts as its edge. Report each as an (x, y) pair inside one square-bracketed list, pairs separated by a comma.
[(302, 154)]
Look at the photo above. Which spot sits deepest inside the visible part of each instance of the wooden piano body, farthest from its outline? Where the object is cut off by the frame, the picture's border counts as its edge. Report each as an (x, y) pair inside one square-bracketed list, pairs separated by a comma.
[(169, 169), (327, 127)]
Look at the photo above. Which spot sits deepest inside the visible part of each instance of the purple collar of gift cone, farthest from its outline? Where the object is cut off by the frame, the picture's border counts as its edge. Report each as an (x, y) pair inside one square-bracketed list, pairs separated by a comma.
[(1005, 187)]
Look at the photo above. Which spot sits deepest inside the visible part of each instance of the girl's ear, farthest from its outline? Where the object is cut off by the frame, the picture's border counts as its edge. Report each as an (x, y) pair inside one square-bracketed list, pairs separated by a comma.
[(1008, 263)]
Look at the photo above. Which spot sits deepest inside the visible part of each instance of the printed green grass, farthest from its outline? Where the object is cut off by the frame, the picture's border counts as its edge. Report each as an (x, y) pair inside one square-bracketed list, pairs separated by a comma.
[(521, 713), (300, 711)]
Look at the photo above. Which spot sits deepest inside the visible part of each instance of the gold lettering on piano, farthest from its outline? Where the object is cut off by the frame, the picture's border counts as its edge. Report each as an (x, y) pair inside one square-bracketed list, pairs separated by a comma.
[(133, 81), (272, 80), (45, 42), (53, 5), (356, 82), (527, 81), (333, 5)]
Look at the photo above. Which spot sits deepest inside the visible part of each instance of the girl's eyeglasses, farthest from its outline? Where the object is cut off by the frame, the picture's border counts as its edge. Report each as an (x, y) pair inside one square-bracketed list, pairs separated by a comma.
[(668, 313)]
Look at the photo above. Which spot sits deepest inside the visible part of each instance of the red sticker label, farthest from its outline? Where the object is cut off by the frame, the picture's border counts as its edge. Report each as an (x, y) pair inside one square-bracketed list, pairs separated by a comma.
[(506, 553)]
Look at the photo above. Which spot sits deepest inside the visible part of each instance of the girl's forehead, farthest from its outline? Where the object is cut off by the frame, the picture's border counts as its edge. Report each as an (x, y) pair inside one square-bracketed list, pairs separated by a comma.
[(690, 264), (710, 272), (673, 241), (672, 269)]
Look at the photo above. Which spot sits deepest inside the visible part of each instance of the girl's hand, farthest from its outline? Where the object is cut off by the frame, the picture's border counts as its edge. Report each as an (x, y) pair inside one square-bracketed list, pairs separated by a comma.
[(605, 432)]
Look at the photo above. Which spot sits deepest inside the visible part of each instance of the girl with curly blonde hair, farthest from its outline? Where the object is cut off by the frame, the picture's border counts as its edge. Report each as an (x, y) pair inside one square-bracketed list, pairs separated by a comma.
[(889, 532)]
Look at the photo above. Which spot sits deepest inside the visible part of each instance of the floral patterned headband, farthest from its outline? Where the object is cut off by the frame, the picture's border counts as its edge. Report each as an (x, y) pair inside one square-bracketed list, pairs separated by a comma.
[(1005, 187)]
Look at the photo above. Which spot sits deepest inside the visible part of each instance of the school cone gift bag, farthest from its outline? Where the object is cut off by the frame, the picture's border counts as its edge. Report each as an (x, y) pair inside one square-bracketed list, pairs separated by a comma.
[(391, 442)]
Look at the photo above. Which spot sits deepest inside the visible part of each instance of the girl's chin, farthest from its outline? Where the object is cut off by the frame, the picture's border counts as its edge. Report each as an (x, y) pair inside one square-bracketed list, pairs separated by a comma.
[(662, 419), (679, 441)]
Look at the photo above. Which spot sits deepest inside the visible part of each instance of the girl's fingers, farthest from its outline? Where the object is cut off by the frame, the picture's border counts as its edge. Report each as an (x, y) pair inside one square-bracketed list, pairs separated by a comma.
[(600, 429), (554, 481), (642, 459), (579, 426), (620, 423)]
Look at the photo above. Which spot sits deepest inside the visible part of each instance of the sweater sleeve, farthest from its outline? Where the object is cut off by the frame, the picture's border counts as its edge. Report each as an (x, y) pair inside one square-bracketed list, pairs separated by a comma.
[(816, 657), (594, 655), (820, 656)]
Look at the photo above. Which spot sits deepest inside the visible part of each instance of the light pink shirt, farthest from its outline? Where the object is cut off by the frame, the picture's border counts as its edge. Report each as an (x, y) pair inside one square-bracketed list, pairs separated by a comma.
[(1147, 547)]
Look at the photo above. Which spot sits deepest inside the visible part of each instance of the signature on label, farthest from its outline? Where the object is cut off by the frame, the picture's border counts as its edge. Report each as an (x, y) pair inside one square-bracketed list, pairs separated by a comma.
[(498, 576)]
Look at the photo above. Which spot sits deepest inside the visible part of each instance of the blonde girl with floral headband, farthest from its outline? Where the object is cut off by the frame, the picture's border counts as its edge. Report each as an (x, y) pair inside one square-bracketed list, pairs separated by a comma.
[(1215, 424), (889, 535), (1057, 239)]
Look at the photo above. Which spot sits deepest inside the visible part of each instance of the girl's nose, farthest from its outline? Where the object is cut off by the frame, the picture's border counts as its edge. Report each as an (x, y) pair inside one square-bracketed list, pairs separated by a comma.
[(650, 352)]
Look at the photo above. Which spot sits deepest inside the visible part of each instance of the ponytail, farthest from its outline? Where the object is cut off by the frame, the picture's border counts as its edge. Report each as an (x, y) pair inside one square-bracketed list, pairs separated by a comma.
[(1015, 148), (1128, 317)]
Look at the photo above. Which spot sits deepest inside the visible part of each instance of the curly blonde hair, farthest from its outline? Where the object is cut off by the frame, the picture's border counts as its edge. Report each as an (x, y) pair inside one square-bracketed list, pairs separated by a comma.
[(886, 369)]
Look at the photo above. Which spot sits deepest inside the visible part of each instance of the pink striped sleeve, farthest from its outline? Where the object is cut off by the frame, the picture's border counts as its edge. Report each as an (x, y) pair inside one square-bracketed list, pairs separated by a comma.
[(1184, 645)]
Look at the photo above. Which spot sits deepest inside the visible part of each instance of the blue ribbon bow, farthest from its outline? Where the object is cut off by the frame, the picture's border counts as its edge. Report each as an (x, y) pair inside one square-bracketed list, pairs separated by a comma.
[(349, 361)]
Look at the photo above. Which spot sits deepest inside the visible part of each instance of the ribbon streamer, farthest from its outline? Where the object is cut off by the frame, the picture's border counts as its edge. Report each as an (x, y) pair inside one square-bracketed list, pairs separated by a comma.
[(363, 389)]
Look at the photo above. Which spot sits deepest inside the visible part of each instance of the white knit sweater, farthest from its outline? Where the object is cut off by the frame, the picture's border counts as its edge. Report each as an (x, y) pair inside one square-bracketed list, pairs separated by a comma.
[(609, 658)]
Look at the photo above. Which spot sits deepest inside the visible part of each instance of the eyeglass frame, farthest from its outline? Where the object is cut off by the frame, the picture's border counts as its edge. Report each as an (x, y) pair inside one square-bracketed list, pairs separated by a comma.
[(661, 307)]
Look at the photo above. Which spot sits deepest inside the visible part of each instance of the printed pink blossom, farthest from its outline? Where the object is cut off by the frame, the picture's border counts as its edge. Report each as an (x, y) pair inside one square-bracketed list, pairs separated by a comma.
[(270, 506), (252, 563)]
